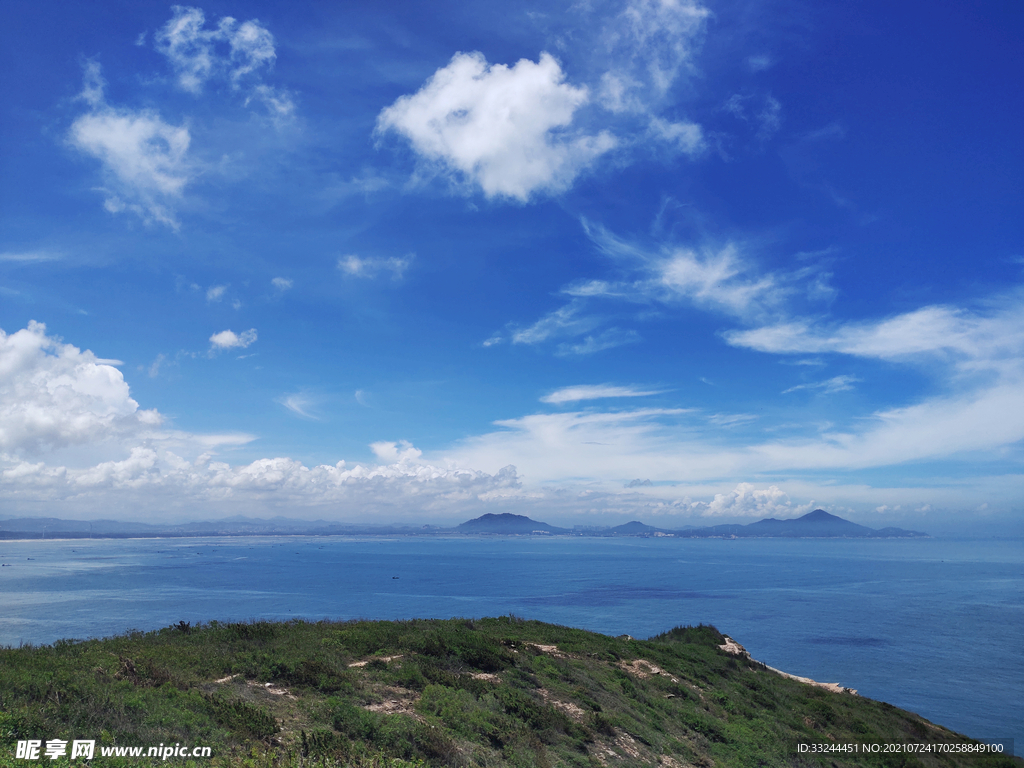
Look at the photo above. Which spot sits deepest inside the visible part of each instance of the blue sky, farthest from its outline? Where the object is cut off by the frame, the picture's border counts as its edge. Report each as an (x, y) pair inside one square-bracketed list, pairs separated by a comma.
[(659, 259)]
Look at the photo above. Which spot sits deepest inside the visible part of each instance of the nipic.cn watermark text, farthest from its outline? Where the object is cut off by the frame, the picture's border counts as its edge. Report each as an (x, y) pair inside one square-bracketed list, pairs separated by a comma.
[(85, 749)]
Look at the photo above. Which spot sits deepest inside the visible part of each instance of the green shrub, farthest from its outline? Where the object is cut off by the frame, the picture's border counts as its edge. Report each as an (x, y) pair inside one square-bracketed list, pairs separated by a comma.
[(239, 715)]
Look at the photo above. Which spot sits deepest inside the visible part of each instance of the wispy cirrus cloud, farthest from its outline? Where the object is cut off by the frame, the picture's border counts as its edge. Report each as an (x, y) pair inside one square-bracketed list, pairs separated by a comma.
[(642, 53), (686, 446), (233, 52), (301, 404), (29, 257), (372, 266), (648, 46), (764, 112), (976, 356), (591, 344), (144, 159), (835, 384), (596, 392), (714, 279), (645, 50), (683, 137), (969, 338), (147, 162), (569, 322), (564, 321), (731, 419)]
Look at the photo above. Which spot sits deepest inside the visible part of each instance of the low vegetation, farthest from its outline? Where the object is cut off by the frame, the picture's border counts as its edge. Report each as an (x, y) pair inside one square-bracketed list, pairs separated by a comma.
[(490, 692)]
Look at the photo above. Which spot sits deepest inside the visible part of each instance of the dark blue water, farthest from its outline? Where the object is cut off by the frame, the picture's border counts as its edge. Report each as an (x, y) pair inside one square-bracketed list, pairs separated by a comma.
[(934, 626)]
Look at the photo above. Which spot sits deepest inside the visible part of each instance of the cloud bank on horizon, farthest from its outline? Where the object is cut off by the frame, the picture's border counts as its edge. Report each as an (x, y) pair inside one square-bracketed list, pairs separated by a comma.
[(628, 260)]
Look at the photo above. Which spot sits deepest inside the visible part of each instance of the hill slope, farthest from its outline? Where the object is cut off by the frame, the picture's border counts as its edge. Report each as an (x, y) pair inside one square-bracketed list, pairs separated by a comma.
[(491, 692)]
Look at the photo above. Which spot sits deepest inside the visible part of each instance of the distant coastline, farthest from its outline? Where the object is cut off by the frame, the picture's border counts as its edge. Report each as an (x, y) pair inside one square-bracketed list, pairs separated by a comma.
[(816, 524)]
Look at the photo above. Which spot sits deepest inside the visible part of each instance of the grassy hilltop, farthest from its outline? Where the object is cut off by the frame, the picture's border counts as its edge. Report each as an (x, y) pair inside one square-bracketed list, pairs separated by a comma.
[(491, 692)]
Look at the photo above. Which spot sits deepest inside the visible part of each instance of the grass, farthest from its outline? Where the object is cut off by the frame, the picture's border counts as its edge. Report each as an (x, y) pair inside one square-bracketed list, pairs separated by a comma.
[(491, 692)]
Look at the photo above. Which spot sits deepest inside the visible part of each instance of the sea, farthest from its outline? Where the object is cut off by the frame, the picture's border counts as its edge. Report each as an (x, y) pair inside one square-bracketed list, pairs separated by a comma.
[(935, 626)]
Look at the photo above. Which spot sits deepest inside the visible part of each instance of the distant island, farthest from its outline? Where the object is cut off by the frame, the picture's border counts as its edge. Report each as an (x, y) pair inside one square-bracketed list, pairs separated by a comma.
[(818, 524), (508, 523)]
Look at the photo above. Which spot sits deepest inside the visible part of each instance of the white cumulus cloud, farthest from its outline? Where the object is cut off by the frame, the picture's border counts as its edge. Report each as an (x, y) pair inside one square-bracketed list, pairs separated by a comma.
[(149, 479), (231, 340), (507, 130), (402, 451), (748, 501), (54, 395)]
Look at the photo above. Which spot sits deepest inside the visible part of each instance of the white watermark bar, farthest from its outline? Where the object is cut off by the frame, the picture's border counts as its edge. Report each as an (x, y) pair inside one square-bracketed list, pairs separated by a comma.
[(980, 748), (85, 749)]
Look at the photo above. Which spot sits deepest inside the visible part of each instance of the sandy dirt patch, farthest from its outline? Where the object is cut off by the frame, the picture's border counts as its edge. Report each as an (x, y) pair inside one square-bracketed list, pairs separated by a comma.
[(395, 701), (643, 669), (574, 711), (364, 662), (551, 650), (735, 649), (834, 687), (627, 744), (671, 762), (273, 690)]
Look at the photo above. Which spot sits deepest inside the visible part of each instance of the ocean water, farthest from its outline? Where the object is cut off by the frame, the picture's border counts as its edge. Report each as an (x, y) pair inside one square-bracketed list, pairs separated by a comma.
[(935, 626)]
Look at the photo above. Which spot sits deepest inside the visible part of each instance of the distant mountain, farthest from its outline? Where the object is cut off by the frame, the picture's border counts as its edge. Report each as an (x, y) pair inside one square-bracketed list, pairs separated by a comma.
[(509, 524), (816, 524)]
